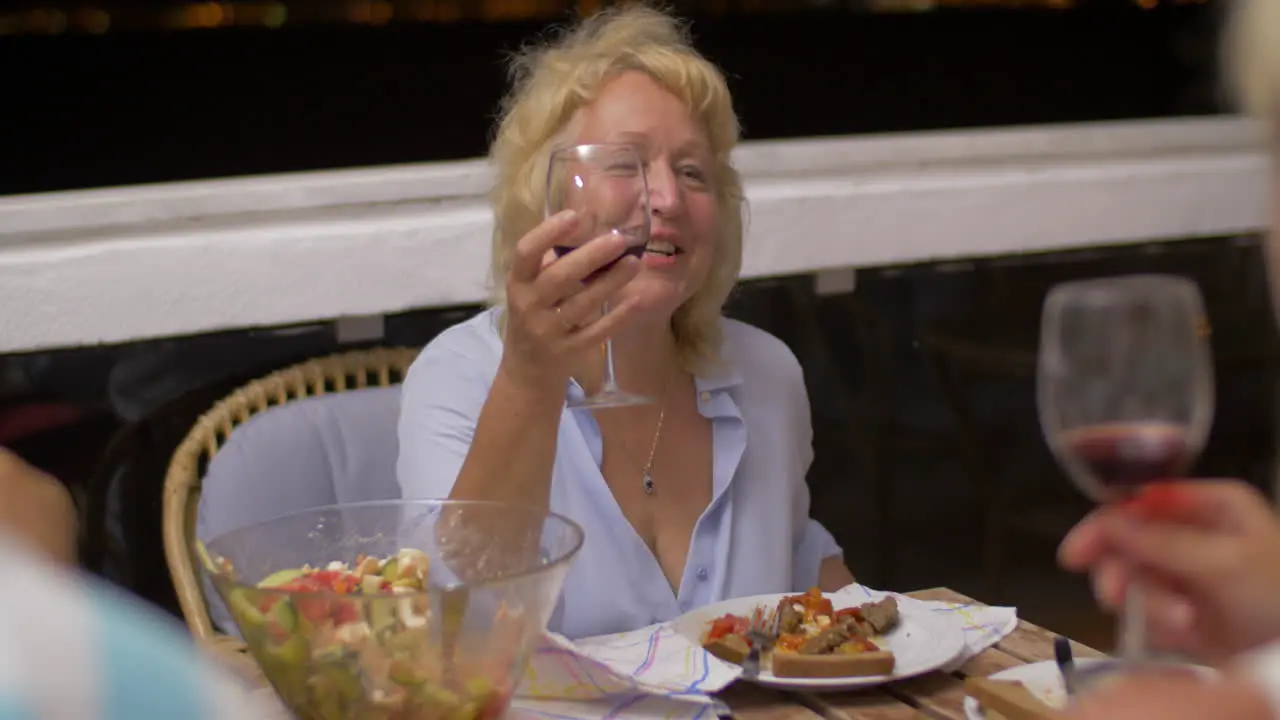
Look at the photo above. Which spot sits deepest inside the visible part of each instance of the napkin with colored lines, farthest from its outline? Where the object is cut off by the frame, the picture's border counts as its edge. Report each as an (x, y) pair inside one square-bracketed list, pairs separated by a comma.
[(983, 625), (655, 660), (651, 672)]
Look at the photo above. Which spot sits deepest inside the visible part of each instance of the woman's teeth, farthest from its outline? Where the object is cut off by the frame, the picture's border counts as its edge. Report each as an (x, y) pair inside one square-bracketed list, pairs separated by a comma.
[(659, 247)]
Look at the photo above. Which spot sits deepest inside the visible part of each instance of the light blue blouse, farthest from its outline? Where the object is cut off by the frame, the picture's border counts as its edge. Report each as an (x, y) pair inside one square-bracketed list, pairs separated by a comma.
[(755, 537)]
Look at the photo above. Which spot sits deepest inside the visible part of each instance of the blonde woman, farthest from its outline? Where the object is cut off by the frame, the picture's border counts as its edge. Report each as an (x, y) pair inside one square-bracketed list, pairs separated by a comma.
[(1210, 559), (728, 443)]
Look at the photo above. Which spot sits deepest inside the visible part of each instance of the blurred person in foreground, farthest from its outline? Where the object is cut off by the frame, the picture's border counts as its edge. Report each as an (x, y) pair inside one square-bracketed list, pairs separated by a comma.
[(729, 441), (1206, 551), (72, 647), (37, 508)]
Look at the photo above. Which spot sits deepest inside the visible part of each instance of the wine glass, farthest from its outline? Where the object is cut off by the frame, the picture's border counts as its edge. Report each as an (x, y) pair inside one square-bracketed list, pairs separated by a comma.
[(605, 184), (1125, 394)]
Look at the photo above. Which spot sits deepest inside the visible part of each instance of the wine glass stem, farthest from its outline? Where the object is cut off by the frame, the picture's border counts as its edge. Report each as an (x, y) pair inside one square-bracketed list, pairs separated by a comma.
[(609, 384), (1133, 624)]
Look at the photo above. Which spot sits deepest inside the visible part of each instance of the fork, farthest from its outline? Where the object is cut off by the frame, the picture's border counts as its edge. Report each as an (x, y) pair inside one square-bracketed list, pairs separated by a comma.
[(762, 631)]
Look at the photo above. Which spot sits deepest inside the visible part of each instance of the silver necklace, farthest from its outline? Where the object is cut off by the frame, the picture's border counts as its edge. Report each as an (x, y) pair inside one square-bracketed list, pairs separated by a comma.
[(647, 477)]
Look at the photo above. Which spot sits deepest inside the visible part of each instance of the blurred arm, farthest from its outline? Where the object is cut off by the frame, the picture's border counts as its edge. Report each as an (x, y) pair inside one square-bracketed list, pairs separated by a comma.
[(36, 508)]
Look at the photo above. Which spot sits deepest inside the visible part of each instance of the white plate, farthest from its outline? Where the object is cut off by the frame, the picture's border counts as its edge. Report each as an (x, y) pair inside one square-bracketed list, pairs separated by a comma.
[(1045, 682), (922, 642)]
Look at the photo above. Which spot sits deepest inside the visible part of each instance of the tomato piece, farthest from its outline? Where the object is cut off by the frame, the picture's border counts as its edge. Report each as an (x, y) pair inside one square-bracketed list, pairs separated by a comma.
[(824, 608), (853, 612), (314, 609), (727, 625), (306, 583), (339, 581), (345, 612), (813, 602)]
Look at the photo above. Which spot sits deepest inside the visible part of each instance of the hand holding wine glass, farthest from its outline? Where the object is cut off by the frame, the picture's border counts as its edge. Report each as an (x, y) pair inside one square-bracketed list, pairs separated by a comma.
[(1125, 393), (553, 308), (605, 185), (1210, 561)]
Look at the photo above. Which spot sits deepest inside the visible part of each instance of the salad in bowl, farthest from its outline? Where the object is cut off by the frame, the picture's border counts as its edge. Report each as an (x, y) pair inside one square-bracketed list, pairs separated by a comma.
[(395, 610)]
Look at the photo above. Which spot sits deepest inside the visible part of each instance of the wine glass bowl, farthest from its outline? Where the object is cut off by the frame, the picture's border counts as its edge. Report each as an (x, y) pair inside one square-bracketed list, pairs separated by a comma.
[(605, 184), (1125, 381)]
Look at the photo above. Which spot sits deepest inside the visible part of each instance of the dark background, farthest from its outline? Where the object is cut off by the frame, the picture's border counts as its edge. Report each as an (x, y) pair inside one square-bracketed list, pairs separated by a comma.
[(142, 104)]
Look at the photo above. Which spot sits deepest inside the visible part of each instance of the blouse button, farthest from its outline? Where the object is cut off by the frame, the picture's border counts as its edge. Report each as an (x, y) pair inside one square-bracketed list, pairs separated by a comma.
[(704, 396), (702, 574)]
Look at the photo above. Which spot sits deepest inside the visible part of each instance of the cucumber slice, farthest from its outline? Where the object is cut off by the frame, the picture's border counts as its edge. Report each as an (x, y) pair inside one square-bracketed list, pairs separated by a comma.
[(245, 610), (381, 615), (283, 615), (294, 651)]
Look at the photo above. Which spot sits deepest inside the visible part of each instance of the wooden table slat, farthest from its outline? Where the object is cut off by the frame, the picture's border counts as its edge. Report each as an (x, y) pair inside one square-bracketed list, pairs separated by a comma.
[(989, 662), (752, 702), (868, 705)]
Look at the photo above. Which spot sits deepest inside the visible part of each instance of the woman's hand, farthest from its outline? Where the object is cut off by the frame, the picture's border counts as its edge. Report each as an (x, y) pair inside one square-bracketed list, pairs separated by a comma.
[(553, 311), (37, 508), (1208, 555), (1172, 697)]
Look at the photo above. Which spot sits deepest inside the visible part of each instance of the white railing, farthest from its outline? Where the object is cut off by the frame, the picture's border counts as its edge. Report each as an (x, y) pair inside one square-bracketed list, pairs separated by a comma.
[(122, 264)]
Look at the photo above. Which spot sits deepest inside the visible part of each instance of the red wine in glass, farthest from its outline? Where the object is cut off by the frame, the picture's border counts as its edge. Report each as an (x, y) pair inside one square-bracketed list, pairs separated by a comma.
[(1121, 458), (635, 248)]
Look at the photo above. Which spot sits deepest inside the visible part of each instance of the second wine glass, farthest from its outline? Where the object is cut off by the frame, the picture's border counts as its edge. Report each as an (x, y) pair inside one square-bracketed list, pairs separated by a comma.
[(605, 184), (1125, 394)]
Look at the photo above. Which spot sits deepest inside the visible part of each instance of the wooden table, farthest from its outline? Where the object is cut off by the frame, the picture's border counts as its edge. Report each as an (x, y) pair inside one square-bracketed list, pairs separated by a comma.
[(936, 696)]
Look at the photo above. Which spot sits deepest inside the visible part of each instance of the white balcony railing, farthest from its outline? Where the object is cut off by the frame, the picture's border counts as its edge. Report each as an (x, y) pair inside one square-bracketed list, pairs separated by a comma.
[(120, 264)]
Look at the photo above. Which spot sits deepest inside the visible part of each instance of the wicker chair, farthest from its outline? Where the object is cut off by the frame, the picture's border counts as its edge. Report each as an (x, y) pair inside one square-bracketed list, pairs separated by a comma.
[(383, 367)]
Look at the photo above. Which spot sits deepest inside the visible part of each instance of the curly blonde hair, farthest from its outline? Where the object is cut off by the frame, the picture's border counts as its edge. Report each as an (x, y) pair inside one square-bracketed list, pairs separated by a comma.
[(1253, 56), (551, 81)]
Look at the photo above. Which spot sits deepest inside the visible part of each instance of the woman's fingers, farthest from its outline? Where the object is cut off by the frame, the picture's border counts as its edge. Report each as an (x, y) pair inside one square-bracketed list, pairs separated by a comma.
[(555, 302), (583, 306), (606, 325), (1170, 613), (1170, 618), (526, 263), (1086, 543), (565, 277), (1185, 553), (1110, 579)]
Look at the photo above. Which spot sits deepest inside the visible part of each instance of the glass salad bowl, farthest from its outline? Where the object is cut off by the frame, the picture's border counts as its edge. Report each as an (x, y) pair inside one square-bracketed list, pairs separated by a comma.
[(395, 610)]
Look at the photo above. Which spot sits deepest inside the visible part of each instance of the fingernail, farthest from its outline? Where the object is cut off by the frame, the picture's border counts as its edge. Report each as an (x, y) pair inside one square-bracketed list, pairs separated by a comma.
[(568, 216)]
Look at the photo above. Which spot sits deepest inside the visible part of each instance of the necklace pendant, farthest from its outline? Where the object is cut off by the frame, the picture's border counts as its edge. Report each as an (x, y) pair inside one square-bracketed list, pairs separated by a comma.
[(648, 484)]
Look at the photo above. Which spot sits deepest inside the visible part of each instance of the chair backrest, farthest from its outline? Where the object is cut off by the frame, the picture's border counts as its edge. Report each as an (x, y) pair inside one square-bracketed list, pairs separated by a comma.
[(313, 434)]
